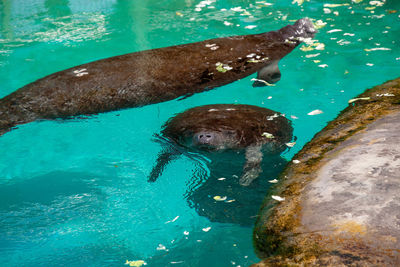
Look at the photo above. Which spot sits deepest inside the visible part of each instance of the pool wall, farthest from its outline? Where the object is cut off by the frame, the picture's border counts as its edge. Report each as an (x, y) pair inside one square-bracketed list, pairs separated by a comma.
[(339, 195)]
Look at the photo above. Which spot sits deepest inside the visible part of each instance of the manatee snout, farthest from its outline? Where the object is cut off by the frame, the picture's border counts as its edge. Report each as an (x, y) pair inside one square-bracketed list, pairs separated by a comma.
[(206, 139), (305, 28)]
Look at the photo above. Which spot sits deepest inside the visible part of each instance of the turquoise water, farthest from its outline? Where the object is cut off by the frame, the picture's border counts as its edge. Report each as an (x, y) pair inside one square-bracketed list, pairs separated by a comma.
[(74, 192)]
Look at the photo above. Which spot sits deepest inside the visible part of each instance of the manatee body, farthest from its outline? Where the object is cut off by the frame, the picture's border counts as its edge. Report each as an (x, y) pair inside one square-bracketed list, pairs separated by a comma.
[(151, 76), (213, 129)]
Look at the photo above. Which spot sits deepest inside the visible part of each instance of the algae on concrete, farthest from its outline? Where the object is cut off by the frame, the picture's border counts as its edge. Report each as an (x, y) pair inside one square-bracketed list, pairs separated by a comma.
[(342, 201)]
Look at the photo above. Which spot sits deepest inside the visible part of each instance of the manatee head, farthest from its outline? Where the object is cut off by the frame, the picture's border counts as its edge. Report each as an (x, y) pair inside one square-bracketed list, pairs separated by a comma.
[(212, 140)]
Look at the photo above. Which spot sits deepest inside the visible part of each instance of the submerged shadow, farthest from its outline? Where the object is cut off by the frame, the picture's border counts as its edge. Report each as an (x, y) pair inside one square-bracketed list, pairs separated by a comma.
[(219, 196)]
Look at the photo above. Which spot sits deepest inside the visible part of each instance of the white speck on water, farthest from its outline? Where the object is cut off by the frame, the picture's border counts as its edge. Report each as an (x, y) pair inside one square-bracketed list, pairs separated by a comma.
[(315, 112), (386, 94), (251, 27), (79, 71), (173, 220), (81, 74), (313, 55), (292, 144), (295, 161), (206, 229), (334, 30), (278, 198), (161, 247)]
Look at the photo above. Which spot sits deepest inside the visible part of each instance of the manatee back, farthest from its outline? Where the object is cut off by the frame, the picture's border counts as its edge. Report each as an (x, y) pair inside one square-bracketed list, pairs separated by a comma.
[(251, 124)]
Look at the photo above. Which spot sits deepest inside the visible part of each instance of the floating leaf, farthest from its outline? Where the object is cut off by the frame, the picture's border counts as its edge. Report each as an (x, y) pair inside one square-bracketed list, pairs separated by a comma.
[(306, 48), (360, 98), (219, 198), (313, 55), (222, 67), (377, 48), (268, 135), (135, 263), (315, 112), (173, 220), (335, 5), (319, 24), (291, 144), (161, 247), (386, 94), (250, 27), (278, 198)]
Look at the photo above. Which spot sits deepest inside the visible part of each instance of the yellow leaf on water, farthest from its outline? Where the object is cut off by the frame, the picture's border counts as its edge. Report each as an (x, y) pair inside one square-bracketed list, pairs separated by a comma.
[(335, 5), (306, 48), (219, 198), (135, 263)]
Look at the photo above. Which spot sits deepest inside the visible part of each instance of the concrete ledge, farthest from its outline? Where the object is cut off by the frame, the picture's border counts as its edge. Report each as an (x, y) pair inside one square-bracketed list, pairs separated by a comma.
[(342, 201)]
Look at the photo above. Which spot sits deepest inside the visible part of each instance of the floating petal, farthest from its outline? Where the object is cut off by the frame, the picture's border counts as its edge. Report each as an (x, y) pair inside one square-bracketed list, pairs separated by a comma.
[(278, 198), (315, 112), (219, 198)]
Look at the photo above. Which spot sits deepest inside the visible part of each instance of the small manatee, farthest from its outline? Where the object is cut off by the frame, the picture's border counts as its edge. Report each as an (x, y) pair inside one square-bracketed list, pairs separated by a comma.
[(213, 129)]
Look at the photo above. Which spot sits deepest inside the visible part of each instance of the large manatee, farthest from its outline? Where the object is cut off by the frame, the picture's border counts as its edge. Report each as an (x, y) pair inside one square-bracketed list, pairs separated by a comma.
[(212, 129), (152, 76)]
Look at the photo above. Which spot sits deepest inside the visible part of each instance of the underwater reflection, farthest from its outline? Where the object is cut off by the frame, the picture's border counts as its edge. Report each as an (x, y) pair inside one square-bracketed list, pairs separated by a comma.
[(217, 194)]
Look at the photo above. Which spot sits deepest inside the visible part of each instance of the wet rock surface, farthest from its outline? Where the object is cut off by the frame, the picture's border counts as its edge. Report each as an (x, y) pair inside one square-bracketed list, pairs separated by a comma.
[(342, 201)]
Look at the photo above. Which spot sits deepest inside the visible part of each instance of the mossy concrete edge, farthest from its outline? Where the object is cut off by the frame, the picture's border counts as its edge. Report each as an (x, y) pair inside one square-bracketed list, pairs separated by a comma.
[(275, 237)]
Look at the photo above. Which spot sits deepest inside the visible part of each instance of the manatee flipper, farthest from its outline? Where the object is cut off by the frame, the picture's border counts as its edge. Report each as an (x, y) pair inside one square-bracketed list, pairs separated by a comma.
[(167, 155), (252, 167), (268, 75)]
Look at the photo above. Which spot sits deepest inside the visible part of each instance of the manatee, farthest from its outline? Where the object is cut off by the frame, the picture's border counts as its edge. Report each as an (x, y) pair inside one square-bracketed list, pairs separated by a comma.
[(213, 130), (152, 76)]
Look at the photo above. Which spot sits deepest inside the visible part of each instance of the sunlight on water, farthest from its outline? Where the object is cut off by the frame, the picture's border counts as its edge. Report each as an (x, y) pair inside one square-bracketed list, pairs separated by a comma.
[(75, 192)]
